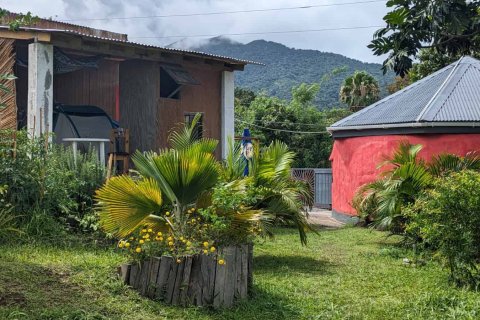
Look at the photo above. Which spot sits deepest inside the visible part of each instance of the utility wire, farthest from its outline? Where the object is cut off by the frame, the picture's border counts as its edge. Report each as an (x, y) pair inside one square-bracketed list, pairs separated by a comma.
[(256, 33), (281, 130), (226, 12)]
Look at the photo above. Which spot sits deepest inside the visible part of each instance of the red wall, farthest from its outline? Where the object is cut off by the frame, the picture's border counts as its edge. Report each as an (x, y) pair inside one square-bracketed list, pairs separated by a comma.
[(355, 159)]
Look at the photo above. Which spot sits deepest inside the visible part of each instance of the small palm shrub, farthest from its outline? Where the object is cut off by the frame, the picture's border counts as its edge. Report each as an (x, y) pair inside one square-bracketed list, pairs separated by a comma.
[(447, 218), (382, 201), (183, 201)]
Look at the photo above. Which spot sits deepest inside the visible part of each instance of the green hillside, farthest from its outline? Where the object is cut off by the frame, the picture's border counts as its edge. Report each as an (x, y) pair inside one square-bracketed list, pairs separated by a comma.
[(286, 67)]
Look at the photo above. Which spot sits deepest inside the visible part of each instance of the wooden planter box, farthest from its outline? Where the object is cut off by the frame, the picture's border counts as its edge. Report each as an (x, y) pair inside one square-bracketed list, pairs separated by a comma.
[(198, 280)]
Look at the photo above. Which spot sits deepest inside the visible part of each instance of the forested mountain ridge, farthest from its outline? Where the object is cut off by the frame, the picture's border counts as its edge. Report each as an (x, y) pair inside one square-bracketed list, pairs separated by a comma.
[(286, 67)]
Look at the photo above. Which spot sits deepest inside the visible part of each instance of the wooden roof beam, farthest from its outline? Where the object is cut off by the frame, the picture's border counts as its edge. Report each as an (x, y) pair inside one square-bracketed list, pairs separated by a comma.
[(25, 35)]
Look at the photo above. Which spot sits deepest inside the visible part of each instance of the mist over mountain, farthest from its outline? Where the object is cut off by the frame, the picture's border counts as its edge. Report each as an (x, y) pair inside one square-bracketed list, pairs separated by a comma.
[(286, 67)]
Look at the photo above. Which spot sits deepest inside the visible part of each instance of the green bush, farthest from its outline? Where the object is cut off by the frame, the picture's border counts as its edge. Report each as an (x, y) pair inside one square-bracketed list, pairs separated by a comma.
[(46, 185), (447, 218)]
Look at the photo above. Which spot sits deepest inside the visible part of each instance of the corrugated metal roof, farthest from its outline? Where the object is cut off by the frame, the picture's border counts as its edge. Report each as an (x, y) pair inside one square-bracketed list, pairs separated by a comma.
[(451, 94), (137, 44)]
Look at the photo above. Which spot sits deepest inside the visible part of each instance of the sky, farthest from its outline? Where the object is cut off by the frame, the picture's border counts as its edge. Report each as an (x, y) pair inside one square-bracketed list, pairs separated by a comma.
[(351, 43)]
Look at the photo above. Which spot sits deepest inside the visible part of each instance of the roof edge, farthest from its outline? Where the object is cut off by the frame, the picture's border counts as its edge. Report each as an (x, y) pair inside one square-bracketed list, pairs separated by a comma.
[(406, 125)]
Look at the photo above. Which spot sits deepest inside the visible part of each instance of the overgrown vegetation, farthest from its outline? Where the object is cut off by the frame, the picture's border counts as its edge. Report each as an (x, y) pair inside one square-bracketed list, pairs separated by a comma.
[(434, 205), (297, 123), (44, 190)]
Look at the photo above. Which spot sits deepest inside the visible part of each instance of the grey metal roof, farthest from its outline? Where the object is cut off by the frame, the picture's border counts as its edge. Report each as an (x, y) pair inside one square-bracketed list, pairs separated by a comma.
[(448, 97), (137, 44)]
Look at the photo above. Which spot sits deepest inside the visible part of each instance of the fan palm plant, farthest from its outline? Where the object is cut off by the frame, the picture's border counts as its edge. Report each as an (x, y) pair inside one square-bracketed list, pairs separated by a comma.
[(181, 174)]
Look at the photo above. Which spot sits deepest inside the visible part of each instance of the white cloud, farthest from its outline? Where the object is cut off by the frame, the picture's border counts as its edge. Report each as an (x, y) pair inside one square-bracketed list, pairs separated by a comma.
[(351, 43)]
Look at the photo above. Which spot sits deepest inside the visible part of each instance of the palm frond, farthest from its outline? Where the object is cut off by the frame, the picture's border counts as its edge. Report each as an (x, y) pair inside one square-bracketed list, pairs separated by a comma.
[(125, 204)]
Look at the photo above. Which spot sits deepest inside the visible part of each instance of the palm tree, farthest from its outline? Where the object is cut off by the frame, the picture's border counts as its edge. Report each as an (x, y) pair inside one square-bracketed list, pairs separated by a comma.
[(359, 90)]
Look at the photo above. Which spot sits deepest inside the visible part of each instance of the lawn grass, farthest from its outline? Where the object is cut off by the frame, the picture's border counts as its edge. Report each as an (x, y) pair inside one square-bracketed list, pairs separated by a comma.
[(350, 273)]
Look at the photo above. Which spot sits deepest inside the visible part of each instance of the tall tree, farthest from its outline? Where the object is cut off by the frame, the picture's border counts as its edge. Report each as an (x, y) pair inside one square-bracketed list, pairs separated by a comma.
[(451, 27), (359, 90)]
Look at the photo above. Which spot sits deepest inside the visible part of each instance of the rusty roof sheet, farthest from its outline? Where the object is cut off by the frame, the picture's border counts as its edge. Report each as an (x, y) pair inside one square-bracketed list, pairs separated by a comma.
[(165, 49)]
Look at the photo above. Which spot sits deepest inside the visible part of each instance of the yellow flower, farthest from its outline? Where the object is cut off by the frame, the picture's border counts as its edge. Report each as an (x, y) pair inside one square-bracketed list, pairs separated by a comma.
[(127, 245), (205, 251), (193, 220), (160, 239), (120, 245), (159, 234), (170, 243), (141, 241), (144, 230), (189, 243), (146, 236), (181, 238), (138, 250), (148, 239), (132, 238), (169, 238), (221, 262), (167, 213), (205, 244), (212, 249), (150, 230)]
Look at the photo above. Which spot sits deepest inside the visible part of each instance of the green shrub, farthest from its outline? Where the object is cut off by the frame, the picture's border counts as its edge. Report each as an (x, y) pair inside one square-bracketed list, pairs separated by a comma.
[(44, 179), (447, 218)]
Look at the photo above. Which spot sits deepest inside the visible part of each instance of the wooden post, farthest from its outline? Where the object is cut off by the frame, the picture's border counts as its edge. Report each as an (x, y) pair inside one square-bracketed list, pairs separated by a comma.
[(40, 88), (227, 111)]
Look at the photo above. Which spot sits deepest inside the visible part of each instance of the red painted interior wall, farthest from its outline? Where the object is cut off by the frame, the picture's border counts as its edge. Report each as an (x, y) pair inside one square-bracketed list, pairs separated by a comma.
[(355, 159)]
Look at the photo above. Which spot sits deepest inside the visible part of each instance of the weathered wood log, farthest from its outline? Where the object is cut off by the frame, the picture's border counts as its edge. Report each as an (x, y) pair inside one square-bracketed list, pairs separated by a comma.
[(184, 285), (162, 278), (172, 276), (194, 280), (250, 269), (152, 283), (124, 273), (194, 291)]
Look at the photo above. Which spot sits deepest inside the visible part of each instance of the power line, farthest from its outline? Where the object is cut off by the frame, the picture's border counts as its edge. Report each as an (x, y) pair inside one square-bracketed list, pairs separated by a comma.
[(281, 130), (257, 33), (226, 12)]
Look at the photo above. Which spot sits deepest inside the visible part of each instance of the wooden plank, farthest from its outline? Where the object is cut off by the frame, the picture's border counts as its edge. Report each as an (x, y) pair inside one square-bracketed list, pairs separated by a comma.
[(152, 283), (220, 273), (25, 35), (250, 269), (230, 276), (172, 275), (144, 278), (243, 285), (134, 271), (196, 282), (162, 278), (187, 271), (208, 269), (178, 283), (125, 272)]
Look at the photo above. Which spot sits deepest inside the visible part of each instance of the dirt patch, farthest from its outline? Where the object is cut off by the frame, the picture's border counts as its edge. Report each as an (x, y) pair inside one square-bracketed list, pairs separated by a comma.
[(12, 299)]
